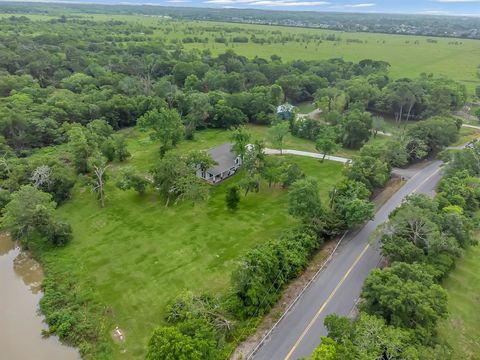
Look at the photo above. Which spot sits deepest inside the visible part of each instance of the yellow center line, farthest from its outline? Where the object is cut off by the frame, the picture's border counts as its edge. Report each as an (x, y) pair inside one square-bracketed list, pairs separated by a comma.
[(428, 178), (332, 294), (326, 302)]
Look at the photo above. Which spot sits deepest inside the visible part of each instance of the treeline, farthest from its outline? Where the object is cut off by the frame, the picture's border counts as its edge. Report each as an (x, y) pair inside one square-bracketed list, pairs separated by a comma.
[(76, 71), (402, 303)]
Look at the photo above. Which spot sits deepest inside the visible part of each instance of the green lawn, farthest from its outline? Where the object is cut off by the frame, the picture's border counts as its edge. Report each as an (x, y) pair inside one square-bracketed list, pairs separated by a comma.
[(137, 255), (305, 107), (461, 330)]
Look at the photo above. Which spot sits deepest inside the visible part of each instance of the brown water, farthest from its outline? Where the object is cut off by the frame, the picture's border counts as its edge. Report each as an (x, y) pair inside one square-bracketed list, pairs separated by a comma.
[(20, 323)]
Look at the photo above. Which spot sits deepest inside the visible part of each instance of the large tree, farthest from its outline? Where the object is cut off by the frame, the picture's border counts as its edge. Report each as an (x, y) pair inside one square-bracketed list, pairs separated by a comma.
[(164, 125)]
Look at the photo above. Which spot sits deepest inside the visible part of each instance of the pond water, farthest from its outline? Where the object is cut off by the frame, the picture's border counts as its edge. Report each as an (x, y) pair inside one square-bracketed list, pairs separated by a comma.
[(20, 322)]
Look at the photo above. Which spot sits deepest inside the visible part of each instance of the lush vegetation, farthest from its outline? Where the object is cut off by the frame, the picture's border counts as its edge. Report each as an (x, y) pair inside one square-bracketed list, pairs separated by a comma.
[(103, 126), (403, 303)]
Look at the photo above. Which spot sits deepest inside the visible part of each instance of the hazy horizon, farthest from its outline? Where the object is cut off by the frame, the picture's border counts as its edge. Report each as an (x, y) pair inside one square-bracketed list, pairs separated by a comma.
[(416, 7)]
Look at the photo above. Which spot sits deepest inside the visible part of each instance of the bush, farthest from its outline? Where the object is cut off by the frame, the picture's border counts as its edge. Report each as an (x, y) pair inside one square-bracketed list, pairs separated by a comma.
[(232, 198), (264, 270)]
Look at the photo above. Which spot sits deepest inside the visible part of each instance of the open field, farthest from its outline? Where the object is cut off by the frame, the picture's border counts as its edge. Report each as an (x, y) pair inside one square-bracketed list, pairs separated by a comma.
[(409, 55), (461, 331), (138, 255)]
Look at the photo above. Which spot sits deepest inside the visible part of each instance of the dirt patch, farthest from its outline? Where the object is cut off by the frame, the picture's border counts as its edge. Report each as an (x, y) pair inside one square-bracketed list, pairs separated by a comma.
[(289, 294), (392, 186)]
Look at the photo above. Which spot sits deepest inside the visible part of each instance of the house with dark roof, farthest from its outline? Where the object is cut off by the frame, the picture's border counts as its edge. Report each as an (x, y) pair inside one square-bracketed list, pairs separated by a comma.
[(227, 164)]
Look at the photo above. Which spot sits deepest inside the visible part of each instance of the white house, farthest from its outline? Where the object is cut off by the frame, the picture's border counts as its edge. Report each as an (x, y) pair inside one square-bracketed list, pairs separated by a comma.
[(227, 164)]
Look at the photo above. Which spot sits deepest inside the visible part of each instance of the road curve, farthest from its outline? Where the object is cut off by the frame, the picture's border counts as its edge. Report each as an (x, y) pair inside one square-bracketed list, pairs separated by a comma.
[(338, 287)]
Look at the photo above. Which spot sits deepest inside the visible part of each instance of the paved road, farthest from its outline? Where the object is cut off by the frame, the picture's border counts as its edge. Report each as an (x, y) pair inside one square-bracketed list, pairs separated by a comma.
[(338, 287), (306, 153)]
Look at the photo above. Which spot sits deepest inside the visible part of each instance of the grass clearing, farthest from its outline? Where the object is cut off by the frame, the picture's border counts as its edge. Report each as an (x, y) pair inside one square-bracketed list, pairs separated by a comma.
[(461, 331), (136, 255)]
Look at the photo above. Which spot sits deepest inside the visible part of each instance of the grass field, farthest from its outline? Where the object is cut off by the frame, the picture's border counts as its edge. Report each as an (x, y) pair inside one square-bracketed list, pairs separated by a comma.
[(409, 55), (137, 254), (461, 331)]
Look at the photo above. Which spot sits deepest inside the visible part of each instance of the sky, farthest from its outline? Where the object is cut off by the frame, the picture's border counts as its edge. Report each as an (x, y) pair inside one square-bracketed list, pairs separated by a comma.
[(432, 7)]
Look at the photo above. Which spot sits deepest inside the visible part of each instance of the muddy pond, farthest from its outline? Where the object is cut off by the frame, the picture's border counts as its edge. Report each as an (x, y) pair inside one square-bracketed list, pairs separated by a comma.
[(21, 324)]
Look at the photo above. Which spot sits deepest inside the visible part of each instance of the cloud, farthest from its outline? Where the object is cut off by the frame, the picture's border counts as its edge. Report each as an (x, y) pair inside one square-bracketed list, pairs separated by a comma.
[(457, 1), (358, 5), (279, 3)]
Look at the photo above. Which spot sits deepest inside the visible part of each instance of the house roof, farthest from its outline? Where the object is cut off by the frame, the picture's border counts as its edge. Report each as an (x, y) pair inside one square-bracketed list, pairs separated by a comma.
[(223, 156)]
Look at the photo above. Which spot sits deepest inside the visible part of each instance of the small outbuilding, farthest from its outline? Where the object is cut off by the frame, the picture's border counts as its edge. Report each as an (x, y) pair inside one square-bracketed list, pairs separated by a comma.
[(227, 164), (286, 111)]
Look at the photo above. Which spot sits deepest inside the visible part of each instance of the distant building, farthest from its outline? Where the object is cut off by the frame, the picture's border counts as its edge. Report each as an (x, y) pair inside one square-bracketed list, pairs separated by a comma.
[(227, 164), (285, 111)]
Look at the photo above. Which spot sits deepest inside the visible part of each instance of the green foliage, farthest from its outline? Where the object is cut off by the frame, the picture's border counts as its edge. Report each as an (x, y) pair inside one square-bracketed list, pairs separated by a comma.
[(304, 200), (371, 171), (174, 177), (170, 344), (264, 270), (356, 127), (163, 125), (367, 337), (73, 315), (278, 133), (326, 142), (30, 217), (232, 198), (405, 295), (240, 138), (130, 179)]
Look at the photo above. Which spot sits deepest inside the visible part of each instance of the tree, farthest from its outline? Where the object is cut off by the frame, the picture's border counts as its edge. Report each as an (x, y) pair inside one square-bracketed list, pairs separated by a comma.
[(278, 133), (120, 145), (366, 337), (30, 217), (41, 176), (232, 197), (326, 142), (190, 188), (168, 343), (356, 127), (130, 179), (369, 170), (28, 209), (405, 295), (241, 138), (79, 148), (326, 351), (477, 113), (304, 200), (200, 160), (99, 177), (164, 125), (378, 124)]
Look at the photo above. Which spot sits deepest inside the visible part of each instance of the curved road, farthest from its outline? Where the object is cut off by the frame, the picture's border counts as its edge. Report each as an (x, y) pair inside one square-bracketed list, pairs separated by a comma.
[(338, 287)]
